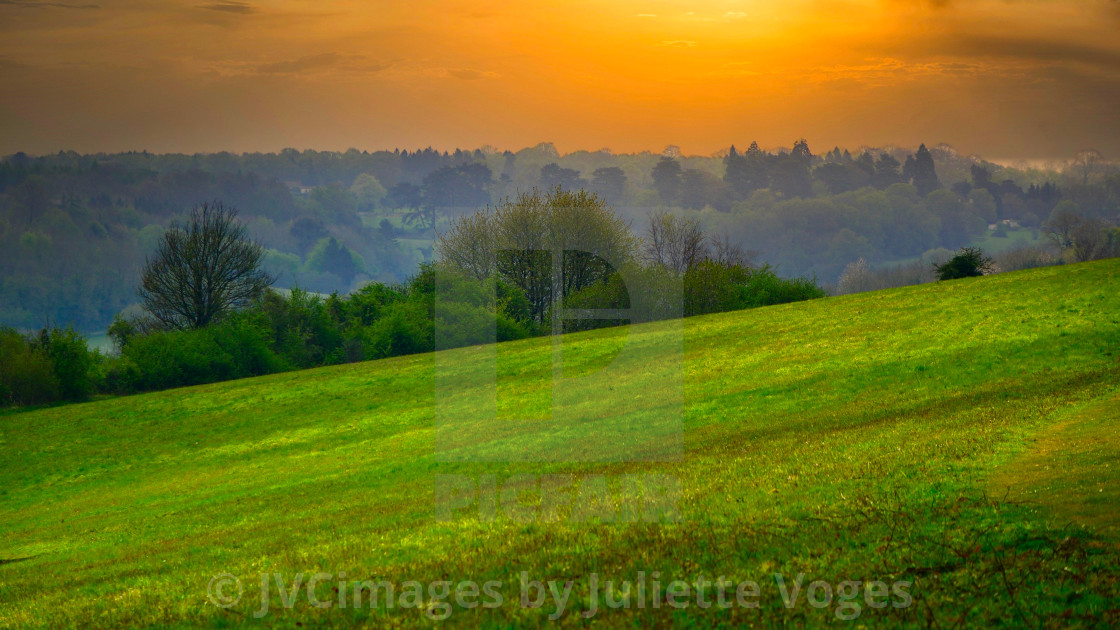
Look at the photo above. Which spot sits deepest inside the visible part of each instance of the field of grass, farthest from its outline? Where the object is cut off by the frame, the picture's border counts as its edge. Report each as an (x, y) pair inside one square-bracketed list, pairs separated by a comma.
[(957, 439)]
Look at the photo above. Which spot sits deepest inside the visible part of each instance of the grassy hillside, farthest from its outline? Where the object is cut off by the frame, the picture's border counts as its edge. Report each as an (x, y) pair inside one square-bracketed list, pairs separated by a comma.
[(890, 436)]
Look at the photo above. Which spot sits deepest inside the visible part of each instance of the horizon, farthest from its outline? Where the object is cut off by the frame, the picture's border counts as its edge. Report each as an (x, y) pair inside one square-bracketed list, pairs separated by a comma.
[(1021, 163)]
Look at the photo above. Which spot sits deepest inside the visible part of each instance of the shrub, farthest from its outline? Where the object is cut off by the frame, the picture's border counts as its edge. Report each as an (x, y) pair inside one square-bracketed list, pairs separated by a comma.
[(234, 349), (71, 360), (968, 263), (765, 288), (405, 329), (713, 288), (26, 374)]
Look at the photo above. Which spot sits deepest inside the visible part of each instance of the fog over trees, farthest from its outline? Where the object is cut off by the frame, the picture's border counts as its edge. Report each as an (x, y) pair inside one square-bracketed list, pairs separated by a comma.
[(75, 230)]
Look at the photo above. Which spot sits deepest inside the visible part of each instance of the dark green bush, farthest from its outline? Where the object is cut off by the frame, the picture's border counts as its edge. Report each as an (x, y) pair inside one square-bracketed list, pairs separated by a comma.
[(764, 288), (26, 374), (71, 360), (713, 288), (968, 263), (234, 349), (405, 329)]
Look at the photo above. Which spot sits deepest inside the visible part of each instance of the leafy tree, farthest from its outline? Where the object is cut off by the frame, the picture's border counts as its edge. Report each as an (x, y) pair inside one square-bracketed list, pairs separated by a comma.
[(71, 361), (307, 231), (968, 263), (330, 256), (667, 179), (337, 205), (203, 270), (701, 188), (886, 171), (458, 186), (840, 177), (756, 175), (735, 172), (866, 163), (517, 240), (609, 183), (553, 175), (925, 173), (368, 191), (790, 174), (404, 195), (26, 374)]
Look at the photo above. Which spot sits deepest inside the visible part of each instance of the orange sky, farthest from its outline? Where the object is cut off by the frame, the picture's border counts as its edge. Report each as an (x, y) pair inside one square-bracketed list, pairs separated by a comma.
[(1003, 78)]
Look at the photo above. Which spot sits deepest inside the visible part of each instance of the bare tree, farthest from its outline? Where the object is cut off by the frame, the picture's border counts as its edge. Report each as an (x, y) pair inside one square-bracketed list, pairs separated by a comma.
[(727, 253), (675, 243), (203, 270), (1089, 240), (1062, 223), (1088, 163)]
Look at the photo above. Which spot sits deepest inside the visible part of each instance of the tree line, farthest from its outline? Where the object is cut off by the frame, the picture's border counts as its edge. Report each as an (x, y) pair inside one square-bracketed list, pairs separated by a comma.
[(75, 229), (210, 313)]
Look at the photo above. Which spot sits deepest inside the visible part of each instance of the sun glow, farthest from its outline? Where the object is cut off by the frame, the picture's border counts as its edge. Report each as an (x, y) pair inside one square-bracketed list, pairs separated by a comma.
[(630, 74)]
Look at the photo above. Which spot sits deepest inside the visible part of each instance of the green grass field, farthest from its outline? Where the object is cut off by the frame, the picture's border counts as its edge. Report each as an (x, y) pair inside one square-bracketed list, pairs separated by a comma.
[(958, 438)]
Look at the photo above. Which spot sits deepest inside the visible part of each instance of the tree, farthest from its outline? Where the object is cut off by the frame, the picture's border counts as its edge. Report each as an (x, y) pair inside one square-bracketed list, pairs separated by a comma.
[(1063, 222), (203, 270), (886, 171), (1088, 163), (307, 231), (609, 183), (968, 263), (667, 179), (404, 195), (756, 175), (735, 172), (369, 192), (330, 256), (519, 238), (553, 175), (675, 243), (701, 188), (458, 186), (925, 173), (790, 175)]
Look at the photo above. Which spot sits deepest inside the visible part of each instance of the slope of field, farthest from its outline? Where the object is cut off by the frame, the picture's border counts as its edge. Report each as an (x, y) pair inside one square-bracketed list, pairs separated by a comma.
[(866, 438)]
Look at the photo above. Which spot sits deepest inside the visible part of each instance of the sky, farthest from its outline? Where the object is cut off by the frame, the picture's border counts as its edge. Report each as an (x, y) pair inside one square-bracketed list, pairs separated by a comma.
[(999, 78)]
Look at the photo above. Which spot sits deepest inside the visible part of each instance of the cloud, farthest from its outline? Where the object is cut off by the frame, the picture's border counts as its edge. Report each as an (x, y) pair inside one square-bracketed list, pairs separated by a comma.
[(230, 6), (303, 64), (469, 74), (647, 15), (1031, 49), (678, 43), (33, 4), (7, 62), (736, 69)]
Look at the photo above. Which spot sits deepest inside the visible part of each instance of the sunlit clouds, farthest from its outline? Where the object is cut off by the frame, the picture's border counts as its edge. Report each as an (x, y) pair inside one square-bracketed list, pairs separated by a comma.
[(1028, 78)]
